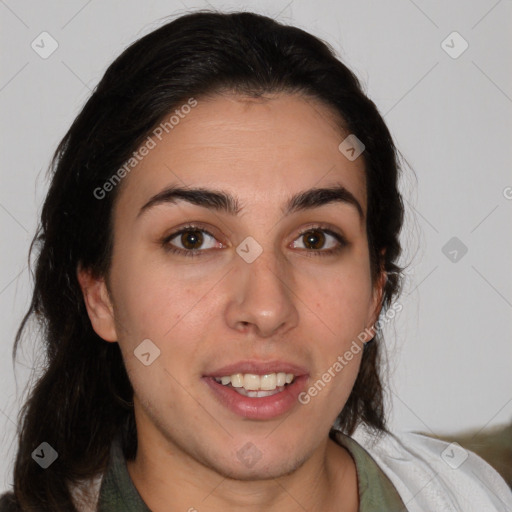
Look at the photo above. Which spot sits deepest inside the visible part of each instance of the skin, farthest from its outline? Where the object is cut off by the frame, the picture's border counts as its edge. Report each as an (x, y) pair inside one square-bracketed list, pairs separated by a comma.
[(215, 309)]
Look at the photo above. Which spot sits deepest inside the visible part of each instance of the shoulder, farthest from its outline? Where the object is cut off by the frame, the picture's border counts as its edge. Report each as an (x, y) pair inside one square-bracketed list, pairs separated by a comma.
[(431, 474), (84, 495)]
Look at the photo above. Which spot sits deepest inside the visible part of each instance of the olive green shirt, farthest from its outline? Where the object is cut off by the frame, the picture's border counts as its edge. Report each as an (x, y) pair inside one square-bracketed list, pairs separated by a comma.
[(376, 492)]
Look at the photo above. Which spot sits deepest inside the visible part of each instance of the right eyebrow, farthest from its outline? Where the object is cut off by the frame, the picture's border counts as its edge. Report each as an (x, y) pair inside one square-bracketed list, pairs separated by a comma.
[(211, 199)]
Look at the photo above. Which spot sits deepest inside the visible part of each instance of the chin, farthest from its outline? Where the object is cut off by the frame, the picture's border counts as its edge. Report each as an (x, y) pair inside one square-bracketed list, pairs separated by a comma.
[(256, 470)]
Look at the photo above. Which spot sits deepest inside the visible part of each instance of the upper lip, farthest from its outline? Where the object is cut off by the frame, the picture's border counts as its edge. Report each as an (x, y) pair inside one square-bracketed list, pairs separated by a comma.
[(258, 368)]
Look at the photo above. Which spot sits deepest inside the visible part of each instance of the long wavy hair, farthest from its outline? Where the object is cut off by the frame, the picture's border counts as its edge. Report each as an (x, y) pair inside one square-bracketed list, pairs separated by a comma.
[(83, 394)]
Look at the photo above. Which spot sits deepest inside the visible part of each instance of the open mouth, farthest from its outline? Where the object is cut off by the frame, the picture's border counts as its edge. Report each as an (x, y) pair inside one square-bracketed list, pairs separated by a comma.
[(258, 397), (257, 386)]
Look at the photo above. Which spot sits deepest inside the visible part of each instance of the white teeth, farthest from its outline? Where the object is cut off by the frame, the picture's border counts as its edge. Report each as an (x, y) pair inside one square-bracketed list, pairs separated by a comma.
[(251, 382), (258, 394), (237, 380), (268, 382), (257, 383)]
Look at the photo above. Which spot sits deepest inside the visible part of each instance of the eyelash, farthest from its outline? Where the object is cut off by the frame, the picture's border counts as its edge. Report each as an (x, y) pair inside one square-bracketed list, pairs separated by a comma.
[(165, 242)]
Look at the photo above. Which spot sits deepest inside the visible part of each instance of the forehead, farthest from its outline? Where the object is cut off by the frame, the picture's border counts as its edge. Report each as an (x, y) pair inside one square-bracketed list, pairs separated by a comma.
[(260, 149)]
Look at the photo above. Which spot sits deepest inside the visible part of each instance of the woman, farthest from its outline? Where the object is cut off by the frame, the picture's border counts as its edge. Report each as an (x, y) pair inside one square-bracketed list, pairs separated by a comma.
[(217, 251)]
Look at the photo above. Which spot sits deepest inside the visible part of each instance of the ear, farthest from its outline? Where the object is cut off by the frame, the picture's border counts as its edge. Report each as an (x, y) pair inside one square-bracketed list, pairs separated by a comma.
[(98, 304), (378, 293), (376, 302)]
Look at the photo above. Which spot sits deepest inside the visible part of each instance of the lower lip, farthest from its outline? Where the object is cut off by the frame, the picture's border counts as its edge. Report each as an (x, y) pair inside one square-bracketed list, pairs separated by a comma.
[(263, 408)]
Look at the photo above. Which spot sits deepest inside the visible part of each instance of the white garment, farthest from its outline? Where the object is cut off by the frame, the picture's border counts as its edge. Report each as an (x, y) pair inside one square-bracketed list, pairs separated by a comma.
[(425, 480)]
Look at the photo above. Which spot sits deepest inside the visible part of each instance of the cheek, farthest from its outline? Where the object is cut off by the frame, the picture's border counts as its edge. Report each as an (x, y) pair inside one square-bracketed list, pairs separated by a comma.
[(341, 307), (143, 307), (153, 306), (152, 298), (175, 312), (341, 301), (329, 388)]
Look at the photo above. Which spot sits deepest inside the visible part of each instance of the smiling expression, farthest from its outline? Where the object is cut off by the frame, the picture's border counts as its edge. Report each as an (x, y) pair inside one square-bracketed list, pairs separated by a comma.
[(240, 250)]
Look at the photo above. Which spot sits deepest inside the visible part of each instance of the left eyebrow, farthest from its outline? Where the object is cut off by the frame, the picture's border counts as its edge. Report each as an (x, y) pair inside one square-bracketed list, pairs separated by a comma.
[(223, 201)]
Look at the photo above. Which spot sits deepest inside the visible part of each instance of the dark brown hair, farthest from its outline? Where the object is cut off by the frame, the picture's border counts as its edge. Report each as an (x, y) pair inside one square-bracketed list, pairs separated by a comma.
[(84, 394)]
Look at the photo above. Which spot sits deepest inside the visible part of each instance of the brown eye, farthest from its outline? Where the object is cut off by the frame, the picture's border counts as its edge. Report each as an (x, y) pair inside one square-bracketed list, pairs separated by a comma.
[(320, 241), (313, 239), (191, 239)]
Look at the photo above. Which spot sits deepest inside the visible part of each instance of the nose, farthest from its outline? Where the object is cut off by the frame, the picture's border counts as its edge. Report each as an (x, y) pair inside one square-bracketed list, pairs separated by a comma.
[(261, 297)]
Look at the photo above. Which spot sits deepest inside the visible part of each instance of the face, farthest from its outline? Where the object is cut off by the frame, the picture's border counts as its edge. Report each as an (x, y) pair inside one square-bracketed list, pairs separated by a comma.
[(263, 287)]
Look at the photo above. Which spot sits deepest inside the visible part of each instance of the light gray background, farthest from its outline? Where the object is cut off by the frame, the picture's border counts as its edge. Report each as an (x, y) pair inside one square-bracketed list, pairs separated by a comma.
[(449, 349)]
